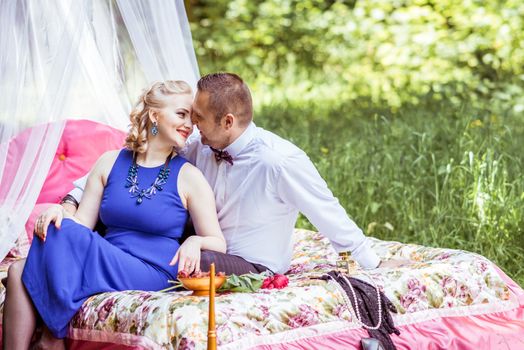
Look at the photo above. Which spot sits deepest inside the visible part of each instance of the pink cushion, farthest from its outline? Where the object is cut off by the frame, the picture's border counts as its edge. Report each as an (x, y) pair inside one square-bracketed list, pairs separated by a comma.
[(82, 143)]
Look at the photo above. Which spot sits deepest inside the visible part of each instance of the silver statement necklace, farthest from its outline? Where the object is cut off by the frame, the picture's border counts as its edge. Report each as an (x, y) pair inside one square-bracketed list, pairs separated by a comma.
[(132, 180)]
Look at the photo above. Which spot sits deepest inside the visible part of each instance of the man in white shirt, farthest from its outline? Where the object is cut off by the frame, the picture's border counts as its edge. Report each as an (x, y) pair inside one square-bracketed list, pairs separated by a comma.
[(268, 181), (261, 182)]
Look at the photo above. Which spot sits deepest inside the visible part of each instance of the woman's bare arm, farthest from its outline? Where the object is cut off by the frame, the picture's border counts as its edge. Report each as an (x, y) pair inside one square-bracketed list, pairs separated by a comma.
[(200, 202)]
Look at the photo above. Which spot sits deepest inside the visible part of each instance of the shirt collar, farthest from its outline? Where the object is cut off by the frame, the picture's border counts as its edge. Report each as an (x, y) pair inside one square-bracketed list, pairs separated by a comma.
[(242, 141)]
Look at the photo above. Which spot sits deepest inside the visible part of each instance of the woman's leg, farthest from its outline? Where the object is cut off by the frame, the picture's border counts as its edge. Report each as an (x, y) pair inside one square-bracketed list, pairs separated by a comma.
[(49, 342), (19, 313)]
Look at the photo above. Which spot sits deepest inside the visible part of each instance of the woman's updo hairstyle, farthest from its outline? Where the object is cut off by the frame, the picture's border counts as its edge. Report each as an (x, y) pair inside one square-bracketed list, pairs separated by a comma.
[(154, 97)]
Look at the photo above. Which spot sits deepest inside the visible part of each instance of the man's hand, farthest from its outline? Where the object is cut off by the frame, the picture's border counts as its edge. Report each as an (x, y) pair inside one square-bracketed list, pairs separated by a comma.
[(55, 213), (188, 255), (393, 263)]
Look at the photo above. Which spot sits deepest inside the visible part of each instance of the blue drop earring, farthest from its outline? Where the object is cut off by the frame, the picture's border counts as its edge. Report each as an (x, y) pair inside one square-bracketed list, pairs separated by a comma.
[(154, 129)]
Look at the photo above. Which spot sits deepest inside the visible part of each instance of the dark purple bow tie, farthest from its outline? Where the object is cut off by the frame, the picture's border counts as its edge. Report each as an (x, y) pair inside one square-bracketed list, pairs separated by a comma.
[(222, 155)]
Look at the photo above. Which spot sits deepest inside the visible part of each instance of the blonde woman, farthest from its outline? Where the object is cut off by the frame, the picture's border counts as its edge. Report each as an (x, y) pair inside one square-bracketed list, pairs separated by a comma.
[(143, 194)]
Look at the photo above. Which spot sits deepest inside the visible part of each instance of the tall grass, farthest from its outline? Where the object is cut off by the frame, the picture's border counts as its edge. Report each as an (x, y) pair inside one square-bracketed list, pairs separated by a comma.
[(431, 174)]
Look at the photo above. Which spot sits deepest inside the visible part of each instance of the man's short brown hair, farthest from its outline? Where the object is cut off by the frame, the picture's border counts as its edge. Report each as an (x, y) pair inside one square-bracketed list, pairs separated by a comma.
[(227, 94)]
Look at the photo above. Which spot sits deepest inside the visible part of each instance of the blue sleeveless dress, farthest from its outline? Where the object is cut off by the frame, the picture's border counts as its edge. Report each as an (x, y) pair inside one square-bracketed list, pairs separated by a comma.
[(75, 262)]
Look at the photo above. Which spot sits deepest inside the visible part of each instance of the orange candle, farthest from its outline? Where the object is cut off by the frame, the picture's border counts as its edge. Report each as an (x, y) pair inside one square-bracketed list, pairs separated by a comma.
[(211, 333)]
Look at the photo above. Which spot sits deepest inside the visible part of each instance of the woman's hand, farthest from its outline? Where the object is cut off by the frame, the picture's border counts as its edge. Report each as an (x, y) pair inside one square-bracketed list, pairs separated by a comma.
[(188, 255), (54, 213)]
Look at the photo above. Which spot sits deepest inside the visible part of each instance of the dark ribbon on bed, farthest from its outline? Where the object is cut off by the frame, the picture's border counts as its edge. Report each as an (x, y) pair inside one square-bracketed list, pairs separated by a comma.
[(368, 307)]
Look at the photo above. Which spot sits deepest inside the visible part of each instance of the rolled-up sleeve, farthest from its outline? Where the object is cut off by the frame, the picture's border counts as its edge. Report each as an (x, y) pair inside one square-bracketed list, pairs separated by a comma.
[(301, 186), (80, 185)]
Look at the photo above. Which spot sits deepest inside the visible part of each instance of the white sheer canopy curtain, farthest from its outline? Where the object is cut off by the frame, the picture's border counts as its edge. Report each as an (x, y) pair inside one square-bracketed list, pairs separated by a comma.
[(65, 59)]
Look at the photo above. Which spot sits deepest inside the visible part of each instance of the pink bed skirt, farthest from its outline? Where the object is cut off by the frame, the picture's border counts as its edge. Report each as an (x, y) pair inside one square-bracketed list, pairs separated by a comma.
[(500, 330)]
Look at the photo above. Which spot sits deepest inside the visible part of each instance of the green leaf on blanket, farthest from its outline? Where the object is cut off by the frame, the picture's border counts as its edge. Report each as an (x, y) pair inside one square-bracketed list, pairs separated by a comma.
[(246, 283)]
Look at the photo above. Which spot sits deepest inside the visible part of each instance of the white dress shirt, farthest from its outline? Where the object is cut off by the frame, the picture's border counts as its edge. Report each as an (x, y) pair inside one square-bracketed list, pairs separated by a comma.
[(259, 197)]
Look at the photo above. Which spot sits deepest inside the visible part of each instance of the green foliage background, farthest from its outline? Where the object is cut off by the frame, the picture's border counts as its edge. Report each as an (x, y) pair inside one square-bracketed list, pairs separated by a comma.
[(412, 110)]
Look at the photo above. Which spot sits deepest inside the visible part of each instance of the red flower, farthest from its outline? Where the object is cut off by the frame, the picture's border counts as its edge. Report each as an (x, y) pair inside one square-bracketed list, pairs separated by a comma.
[(182, 274), (275, 282)]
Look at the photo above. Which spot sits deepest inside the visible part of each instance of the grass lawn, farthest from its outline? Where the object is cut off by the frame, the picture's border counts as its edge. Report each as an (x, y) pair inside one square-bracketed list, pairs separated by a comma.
[(433, 174)]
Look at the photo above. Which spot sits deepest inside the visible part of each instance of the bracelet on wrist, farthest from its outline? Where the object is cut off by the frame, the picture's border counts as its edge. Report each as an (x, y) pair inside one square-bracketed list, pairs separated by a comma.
[(69, 199)]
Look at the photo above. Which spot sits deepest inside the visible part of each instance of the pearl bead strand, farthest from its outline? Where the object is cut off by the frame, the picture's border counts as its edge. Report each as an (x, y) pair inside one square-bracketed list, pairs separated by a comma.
[(355, 310)]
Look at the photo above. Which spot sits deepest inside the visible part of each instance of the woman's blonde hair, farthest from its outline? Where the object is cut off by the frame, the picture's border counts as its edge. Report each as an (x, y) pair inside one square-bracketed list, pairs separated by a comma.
[(154, 97)]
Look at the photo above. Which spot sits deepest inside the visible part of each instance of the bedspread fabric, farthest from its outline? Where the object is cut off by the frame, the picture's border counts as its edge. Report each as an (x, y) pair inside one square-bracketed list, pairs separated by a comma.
[(439, 286)]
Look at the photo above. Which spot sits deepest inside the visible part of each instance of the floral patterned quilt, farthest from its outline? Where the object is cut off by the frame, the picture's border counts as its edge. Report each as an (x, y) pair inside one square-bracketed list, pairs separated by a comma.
[(439, 282)]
